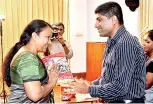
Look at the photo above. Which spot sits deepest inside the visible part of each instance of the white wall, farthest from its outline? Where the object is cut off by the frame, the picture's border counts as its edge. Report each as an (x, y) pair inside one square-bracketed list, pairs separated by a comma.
[(78, 34), (82, 20), (130, 19)]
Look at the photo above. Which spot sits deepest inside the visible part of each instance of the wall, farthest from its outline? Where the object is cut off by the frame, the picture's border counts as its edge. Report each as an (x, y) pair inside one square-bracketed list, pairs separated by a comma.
[(130, 19), (82, 19), (78, 34)]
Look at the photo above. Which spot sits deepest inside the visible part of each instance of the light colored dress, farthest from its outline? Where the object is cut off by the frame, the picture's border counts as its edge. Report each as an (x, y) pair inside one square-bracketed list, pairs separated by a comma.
[(26, 67)]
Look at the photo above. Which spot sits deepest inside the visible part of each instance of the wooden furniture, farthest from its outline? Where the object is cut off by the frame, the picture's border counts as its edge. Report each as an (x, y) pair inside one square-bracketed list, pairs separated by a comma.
[(94, 52)]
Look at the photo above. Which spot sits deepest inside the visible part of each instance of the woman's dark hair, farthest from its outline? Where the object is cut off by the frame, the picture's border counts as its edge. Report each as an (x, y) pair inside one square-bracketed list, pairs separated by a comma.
[(110, 9), (150, 34), (34, 26)]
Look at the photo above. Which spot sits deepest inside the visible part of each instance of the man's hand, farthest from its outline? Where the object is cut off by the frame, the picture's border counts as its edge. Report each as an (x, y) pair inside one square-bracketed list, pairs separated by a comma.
[(80, 86), (60, 39)]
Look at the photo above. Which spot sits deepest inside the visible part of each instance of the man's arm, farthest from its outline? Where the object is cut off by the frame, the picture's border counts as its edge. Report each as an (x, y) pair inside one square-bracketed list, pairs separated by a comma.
[(96, 82), (125, 64), (68, 50), (66, 46)]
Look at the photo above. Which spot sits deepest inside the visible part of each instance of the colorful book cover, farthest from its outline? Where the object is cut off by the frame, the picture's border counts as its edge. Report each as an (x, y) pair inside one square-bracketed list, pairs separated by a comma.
[(64, 69)]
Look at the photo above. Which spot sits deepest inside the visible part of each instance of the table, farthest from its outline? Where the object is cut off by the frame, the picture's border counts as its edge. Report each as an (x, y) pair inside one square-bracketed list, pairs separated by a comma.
[(57, 97)]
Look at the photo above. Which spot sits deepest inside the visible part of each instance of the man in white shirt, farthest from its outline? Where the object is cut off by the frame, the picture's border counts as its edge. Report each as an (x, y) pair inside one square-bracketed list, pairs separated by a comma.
[(58, 44)]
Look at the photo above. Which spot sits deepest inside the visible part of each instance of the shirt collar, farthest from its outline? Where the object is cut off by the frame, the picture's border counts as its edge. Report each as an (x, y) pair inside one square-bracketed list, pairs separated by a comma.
[(117, 35)]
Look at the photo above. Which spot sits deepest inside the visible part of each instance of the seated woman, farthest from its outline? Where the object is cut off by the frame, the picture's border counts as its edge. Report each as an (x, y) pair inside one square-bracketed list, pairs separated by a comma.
[(148, 47), (24, 72)]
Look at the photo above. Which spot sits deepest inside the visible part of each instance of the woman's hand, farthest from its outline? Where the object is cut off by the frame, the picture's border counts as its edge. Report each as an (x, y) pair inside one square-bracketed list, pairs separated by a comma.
[(53, 72)]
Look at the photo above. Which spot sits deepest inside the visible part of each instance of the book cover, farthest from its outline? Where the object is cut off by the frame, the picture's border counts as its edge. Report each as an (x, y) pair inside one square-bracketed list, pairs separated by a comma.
[(64, 69)]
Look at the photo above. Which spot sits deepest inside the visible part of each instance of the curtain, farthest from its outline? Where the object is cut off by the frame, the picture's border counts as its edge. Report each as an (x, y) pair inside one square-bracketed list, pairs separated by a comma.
[(18, 13), (146, 16)]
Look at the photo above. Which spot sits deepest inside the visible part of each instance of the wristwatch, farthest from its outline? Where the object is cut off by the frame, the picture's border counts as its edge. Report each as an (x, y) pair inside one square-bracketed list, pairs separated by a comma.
[(64, 45)]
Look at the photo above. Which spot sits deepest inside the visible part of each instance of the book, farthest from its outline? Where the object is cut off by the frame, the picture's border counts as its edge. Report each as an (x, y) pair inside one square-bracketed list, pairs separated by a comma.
[(65, 75)]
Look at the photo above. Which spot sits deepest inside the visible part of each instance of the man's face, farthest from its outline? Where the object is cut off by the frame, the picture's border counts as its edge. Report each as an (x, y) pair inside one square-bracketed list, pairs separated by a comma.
[(104, 25), (60, 30)]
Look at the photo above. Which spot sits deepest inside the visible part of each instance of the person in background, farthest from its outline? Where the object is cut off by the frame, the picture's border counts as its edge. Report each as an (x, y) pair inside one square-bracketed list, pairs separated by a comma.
[(54, 35), (58, 42), (148, 48), (24, 71), (123, 69)]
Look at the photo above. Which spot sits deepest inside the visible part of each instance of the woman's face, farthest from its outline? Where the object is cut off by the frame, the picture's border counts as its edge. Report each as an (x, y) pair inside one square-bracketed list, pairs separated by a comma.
[(43, 39), (147, 44)]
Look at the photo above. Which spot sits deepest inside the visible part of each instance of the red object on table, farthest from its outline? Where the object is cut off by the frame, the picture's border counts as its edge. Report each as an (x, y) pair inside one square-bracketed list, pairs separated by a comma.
[(66, 92)]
